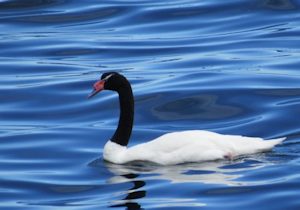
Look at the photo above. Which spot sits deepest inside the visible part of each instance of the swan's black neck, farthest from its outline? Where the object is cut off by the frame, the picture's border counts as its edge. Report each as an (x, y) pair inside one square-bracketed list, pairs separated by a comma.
[(123, 132)]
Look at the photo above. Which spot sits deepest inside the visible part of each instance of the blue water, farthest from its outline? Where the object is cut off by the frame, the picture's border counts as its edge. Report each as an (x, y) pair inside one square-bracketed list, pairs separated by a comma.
[(225, 66)]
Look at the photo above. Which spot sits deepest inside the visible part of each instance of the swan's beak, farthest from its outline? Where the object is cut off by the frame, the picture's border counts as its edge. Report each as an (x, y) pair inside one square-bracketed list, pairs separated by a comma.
[(98, 86)]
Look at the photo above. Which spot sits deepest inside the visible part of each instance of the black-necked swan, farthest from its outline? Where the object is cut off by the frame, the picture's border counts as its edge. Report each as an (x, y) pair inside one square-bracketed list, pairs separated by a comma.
[(171, 148)]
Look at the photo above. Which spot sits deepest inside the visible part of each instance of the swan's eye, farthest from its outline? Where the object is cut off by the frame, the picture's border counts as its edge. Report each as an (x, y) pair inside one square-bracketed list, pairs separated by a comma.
[(107, 77)]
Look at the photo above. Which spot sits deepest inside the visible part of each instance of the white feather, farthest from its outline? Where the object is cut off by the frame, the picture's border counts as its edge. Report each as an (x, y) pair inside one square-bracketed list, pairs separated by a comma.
[(188, 146)]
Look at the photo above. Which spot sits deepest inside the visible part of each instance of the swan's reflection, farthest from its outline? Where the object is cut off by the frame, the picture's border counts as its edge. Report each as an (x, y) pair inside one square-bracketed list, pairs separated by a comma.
[(216, 172), (132, 194), (138, 173)]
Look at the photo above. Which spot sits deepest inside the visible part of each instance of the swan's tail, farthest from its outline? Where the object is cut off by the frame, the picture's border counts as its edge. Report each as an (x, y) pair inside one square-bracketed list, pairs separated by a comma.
[(273, 142), (269, 144)]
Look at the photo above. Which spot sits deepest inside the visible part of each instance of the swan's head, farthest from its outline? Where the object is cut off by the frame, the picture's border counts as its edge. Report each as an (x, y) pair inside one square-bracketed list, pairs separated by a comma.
[(109, 81)]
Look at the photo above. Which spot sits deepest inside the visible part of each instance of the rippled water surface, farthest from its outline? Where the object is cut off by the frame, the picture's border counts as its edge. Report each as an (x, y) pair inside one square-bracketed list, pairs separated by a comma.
[(225, 66)]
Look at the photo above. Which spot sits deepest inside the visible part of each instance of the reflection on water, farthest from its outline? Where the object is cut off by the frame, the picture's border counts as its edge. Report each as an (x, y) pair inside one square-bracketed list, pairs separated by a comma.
[(139, 174), (134, 193), (208, 172), (205, 107), (281, 4), (15, 4)]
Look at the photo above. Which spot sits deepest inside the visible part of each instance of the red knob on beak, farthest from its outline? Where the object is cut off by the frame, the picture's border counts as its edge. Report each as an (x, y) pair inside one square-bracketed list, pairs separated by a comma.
[(98, 86)]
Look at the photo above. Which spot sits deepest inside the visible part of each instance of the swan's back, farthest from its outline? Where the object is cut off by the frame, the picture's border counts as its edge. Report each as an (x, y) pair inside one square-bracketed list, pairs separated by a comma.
[(189, 146)]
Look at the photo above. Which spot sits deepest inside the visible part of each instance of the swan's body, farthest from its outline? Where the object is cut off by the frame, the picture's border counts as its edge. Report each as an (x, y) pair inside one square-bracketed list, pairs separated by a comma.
[(188, 146), (171, 148)]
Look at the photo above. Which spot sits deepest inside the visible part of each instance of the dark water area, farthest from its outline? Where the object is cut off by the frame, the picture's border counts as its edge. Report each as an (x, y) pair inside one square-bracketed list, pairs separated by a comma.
[(226, 66)]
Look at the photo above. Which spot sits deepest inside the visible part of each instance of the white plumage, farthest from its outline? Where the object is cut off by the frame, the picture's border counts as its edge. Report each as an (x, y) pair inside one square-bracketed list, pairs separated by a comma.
[(188, 146)]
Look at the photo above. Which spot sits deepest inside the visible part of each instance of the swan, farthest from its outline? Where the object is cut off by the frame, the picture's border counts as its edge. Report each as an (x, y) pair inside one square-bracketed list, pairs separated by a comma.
[(171, 148)]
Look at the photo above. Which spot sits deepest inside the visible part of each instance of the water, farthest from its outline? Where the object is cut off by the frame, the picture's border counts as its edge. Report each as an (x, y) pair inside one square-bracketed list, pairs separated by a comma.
[(225, 66)]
